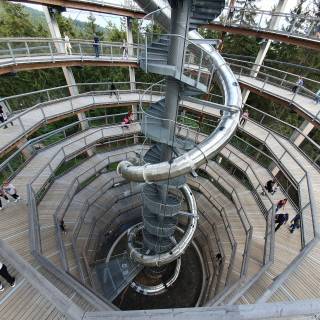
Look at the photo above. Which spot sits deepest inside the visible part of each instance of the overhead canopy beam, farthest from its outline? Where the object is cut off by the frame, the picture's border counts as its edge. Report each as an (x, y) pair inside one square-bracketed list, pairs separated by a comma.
[(301, 42), (90, 6)]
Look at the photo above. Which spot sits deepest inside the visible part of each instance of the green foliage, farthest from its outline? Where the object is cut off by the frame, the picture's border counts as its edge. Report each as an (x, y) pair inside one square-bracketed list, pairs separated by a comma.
[(16, 22)]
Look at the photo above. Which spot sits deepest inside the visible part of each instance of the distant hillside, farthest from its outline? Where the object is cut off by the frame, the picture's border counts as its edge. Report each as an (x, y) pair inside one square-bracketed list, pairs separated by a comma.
[(37, 17)]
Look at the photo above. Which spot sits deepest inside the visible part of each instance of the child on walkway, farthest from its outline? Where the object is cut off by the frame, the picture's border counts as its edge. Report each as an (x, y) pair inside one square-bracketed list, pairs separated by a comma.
[(3, 195), (244, 118), (7, 276), (10, 189), (125, 122), (299, 83)]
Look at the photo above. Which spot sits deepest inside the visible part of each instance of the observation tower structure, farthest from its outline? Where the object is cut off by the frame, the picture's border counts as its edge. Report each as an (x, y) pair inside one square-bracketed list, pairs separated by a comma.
[(167, 216)]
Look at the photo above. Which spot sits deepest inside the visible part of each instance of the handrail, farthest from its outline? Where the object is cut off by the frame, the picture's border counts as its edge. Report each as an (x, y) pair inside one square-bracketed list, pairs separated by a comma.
[(285, 73), (47, 91), (208, 195), (282, 122), (314, 221), (267, 78), (45, 118), (302, 25), (15, 47), (304, 179), (65, 305)]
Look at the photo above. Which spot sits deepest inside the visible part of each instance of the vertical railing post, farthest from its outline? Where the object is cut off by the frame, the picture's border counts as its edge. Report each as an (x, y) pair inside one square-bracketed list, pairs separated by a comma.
[(51, 52), (11, 53), (27, 48)]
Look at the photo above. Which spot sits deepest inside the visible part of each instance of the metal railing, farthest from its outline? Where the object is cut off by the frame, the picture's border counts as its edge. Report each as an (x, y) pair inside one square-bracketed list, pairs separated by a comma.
[(197, 63), (310, 148), (15, 162), (279, 78), (280, 155), (37, 189), (69, 105), (299, 25), (24, 101), (227, 226), (15, 51)]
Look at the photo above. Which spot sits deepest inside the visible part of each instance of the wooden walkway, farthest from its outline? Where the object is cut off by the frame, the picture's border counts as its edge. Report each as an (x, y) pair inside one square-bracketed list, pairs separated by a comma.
[(60, 60), (287, 245), (307, 106), (33, 118)]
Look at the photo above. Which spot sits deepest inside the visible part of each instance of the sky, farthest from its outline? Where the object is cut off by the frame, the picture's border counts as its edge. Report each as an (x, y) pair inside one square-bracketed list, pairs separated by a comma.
[(102, 19)]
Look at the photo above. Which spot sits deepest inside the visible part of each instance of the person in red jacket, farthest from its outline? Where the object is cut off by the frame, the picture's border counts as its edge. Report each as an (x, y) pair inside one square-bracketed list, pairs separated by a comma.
[(281, 204)]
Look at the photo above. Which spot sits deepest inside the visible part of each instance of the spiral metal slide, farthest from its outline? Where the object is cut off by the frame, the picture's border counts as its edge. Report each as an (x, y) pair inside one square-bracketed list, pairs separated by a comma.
[(189, 64)]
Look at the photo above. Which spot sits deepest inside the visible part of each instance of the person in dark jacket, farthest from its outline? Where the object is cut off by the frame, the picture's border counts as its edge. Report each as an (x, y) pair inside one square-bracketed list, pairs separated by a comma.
[(4, 273), (281, 219), (295, 222), (96, 45), (269, 186)]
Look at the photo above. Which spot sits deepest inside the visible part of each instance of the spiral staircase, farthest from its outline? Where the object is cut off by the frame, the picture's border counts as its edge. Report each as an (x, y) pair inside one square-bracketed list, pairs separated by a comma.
[(190, 75)]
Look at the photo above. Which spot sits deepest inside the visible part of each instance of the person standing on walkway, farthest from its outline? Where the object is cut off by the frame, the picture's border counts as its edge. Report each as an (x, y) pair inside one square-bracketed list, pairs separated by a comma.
[(96, 45), (124, 49), (3, 195), (317, 97), (3, 117), (281, 204), (244, 118), (295, 223), (67, 45), (231, 11), (113, 90), (10, 189), (299, 84), (7, 276), (281, 219)]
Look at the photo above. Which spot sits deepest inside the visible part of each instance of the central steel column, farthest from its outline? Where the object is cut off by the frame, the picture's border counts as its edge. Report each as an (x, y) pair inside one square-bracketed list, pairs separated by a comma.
[(180, 13)]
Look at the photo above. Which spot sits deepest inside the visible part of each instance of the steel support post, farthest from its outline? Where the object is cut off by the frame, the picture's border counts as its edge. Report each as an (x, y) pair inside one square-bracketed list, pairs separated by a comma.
[(132, 73), (59, 46), (264, 47), (306, 127)]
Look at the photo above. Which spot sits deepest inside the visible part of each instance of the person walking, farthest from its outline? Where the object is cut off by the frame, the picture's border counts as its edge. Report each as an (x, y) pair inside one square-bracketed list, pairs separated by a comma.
[(113, 90), (124, 49), (244, 118), (3, 195), (4, 273), (96, 45), (62, 226), (281, 204), (269, 186), (10, 189), (299, 84), (67, 45), (295, 223), (281, 219)]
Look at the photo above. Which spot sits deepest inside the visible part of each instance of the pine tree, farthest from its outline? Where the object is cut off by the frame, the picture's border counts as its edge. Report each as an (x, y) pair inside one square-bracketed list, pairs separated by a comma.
[(247, 13)]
